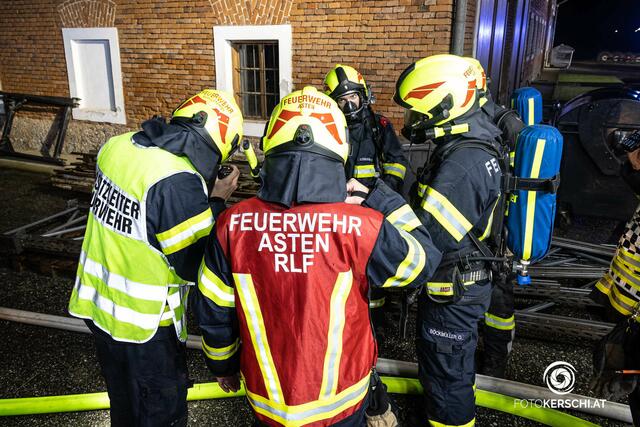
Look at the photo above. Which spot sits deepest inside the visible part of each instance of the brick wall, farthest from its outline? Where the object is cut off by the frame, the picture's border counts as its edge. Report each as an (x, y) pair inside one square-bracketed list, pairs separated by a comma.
[(470, 27), (167, 50), (378, 37), (31, 53)]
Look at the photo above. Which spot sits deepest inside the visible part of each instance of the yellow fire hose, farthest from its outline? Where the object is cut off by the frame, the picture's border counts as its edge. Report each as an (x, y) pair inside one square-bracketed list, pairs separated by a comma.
[(93, 401)]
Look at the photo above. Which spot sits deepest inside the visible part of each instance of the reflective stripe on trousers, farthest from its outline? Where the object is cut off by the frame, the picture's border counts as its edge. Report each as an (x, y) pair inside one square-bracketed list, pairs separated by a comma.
[(502, 323)]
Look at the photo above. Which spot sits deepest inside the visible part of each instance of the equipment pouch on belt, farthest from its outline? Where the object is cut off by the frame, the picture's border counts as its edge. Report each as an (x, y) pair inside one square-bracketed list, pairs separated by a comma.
[(449, 292)]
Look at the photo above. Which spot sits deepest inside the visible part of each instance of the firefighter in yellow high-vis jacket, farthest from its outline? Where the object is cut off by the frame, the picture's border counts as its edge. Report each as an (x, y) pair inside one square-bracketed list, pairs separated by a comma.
[(150, 214)]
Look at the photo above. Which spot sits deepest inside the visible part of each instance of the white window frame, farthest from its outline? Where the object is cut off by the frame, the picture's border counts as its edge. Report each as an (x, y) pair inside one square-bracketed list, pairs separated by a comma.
[(70, 35), (225, 35)]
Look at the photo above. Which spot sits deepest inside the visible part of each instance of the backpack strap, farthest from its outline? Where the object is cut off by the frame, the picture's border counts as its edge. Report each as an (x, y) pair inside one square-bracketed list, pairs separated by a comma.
[(512, 183)]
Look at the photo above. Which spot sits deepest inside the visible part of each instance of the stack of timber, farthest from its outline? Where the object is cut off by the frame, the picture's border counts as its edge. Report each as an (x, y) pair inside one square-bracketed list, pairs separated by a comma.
[(80, 175)]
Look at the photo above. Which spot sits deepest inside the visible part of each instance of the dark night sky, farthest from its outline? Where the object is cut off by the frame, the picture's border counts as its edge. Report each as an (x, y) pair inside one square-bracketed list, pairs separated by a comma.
[(590, 26)]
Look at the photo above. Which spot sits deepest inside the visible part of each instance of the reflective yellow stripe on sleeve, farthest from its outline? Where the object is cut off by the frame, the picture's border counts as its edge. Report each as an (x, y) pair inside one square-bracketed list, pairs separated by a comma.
[(411, 266), (446, 214), (186, 233), (214, 288), (395, 169), (404, 218), (364, 171), (222, 353)]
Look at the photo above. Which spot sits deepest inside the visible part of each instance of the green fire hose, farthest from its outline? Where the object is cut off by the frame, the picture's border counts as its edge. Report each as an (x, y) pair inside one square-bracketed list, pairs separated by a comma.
[(499, 402), (92, 401)]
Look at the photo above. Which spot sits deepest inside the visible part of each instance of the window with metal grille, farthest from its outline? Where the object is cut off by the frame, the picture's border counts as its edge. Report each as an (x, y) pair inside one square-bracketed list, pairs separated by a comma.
[(256, 78)]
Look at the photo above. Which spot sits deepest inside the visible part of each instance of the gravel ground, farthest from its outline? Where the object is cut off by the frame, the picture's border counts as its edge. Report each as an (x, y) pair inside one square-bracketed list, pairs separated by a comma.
[(41, 362)]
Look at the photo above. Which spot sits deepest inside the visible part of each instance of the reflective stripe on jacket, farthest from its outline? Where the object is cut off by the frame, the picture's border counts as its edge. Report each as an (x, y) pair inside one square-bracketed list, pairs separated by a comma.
[(124, 284), (292, 284)]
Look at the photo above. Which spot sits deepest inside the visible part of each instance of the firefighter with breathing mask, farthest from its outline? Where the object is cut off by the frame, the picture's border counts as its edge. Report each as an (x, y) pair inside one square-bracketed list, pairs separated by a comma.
[(457, 192)]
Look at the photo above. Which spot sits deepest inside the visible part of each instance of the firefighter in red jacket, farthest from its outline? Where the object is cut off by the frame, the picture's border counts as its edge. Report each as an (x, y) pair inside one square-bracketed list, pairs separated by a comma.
[(283, 290)]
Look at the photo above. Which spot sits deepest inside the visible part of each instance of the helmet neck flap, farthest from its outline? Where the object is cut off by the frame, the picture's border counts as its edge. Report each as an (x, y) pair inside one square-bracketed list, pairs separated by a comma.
[(294, 177), (180, 140)]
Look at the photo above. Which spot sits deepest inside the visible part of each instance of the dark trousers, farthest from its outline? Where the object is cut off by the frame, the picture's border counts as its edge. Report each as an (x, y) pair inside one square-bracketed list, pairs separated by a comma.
[(632, 361), (497, 338), (147, 383), (447, 336)]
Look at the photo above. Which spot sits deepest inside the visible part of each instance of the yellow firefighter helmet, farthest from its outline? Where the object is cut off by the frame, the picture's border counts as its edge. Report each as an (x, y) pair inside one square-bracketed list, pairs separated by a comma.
[(307, 120), (343, 80), (215, 116), (440, 87)]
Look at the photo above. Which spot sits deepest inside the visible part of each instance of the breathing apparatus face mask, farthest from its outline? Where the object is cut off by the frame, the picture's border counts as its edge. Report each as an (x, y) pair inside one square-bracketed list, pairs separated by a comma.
[(350, 107), (414, 129)]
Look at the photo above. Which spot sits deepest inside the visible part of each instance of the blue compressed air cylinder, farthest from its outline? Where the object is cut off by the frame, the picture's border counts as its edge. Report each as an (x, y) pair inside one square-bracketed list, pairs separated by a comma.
[(527, 101), (531, 214)]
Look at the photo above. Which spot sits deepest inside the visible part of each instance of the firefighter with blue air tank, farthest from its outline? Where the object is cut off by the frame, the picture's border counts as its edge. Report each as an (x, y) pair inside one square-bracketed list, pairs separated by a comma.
[(151, 210), (499, 321), (458, 193)]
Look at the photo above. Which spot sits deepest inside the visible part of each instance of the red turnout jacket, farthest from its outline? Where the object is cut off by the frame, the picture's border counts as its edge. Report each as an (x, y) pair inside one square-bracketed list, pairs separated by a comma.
[(283, 296)]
